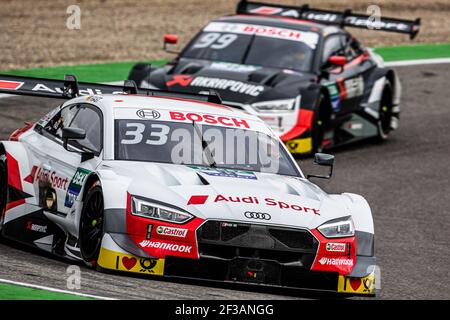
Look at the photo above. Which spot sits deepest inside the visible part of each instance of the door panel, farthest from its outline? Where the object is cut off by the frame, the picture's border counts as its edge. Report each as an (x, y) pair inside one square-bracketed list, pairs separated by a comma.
[(56, 170)]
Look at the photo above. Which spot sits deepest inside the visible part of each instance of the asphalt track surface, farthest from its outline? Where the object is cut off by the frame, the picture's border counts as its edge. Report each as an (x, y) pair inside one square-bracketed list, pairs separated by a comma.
[(406, 181)]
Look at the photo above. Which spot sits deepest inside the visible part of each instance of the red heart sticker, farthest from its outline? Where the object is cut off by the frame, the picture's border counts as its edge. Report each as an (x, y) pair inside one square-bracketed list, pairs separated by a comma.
[(355, 283), (129, 263)]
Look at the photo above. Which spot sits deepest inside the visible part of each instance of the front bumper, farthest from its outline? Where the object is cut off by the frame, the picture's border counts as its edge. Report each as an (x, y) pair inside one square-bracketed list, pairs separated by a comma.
[(239, 270), (241, 254)]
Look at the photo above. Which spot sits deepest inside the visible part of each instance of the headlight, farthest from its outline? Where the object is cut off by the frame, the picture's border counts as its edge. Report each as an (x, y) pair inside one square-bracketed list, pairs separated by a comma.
[(151, 210), (339, 228), (274, 105)]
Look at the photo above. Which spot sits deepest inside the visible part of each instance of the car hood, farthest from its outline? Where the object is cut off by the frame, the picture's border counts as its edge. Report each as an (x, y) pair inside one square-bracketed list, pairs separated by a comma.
[(231, 195), (236, 83)]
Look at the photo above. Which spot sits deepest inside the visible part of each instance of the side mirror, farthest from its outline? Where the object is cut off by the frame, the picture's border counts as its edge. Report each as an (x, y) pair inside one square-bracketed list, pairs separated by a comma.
[(332, 63), (326, 160), (337, 60), (170, 39), (70, 133)]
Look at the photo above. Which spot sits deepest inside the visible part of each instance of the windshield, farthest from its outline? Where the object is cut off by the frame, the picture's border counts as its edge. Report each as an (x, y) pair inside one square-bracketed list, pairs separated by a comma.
[(202, 145), (254, 45)]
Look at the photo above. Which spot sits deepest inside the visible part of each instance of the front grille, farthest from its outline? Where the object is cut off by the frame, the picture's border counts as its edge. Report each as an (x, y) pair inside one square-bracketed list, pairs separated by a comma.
[(293, 238), (222, 231), (228, 240)]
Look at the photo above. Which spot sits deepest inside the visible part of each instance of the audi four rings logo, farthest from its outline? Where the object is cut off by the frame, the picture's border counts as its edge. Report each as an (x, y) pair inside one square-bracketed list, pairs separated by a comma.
[(257, 215), (148, 114)]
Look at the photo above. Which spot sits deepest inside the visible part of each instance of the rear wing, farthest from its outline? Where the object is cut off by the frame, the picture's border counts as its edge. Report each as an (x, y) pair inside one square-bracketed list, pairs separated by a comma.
[(70, 88), (329, 17)]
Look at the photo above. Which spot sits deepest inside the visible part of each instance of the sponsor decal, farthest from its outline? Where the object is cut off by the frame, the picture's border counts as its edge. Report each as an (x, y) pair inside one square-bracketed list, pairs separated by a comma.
[(36, 227), (336, 262), (223, 172), (266, 10), (300, 145), (216, 83), (370, 23), (268, 202), (354, 87), (126, 262), (75, 186), (48, 176), (40, 87), (334, 96), (336, 247), (181, 80), (148, 114), (309, 38), (147, 265), (10, 85), (364, 285), (30, 177), (165, 246), (171, 232), (233, 67), (94, 99), (197, 200), (45, 119), (257, 215), (226, 84), (208, 119)]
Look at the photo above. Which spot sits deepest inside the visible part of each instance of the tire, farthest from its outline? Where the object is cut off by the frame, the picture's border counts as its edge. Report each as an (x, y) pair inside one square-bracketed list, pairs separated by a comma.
[(385, 112), (139, 73), (91, 226), (320, 123), (3, 190)]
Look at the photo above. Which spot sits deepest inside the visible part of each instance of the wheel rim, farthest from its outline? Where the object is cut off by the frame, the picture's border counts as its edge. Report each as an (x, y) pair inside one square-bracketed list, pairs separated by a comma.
[(91, 229), (385, 113), (385, 119)]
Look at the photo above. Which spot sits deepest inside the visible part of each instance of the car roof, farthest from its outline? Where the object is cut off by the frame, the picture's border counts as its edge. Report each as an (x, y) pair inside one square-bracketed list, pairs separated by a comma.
[(166, 103), (120, 106)]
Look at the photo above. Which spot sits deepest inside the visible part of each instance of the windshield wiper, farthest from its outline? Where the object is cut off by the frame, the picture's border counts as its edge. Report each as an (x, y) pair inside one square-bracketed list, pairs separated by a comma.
[(247, 50), (205, 146)]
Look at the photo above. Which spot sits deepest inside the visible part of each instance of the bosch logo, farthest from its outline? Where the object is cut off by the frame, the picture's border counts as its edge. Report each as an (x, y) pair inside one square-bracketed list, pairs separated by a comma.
[(257, 215), (148, 114)]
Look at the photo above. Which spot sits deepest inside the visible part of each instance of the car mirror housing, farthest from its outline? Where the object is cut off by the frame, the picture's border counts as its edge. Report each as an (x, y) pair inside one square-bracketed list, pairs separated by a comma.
[(326, 160), (337, 60), (71, 133), (170, 39)]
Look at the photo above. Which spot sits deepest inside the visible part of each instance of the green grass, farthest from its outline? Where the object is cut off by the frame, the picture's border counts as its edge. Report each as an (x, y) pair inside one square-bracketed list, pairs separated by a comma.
[(420, 51), (15, 292), (116, 71), (102, 72)]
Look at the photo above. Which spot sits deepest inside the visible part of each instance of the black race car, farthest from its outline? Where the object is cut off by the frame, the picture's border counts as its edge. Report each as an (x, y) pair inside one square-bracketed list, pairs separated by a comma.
[(296, 68)]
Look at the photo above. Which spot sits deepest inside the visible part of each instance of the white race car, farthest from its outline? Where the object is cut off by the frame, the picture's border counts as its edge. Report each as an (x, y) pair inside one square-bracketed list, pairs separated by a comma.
[(143, 181)]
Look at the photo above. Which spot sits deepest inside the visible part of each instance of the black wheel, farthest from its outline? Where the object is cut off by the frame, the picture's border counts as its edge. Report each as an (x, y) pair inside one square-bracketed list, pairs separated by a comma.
[(91, 225), (3, 190), (385, 111), (320, 123)]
